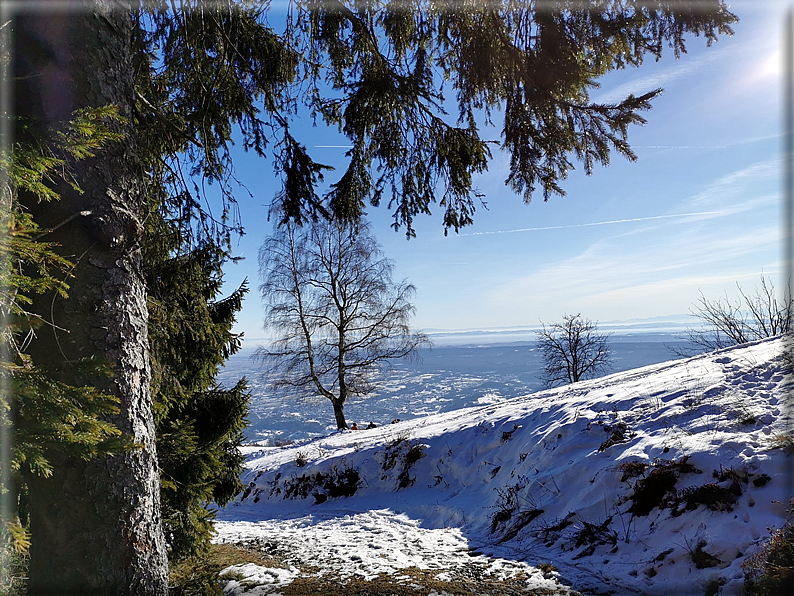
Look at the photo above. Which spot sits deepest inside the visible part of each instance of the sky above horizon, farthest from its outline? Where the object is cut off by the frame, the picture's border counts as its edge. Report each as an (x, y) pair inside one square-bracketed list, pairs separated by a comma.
[(699, 211)]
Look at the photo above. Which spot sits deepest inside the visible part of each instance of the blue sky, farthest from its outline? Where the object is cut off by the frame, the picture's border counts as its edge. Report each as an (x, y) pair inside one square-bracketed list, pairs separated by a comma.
[(699, 211)]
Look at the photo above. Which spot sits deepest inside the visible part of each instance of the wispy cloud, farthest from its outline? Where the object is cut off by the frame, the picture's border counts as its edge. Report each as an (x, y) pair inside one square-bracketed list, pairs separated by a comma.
[(738, 186), (594, 223), (662, 78), (747, 189), (655, 272), (739, 143), (723, 230), (712, 286)]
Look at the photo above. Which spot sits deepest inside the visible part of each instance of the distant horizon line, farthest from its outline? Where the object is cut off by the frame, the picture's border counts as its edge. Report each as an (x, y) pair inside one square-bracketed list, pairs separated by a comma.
[(672, 323), (671, 320)]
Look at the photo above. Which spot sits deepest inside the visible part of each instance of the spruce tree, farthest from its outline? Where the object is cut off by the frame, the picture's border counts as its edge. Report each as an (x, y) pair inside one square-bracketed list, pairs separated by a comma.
[(95, 522), (199, 424)]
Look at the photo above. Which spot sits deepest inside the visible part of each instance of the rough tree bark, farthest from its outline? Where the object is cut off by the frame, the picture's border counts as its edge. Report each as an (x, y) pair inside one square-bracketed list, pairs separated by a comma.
[(96, 525)]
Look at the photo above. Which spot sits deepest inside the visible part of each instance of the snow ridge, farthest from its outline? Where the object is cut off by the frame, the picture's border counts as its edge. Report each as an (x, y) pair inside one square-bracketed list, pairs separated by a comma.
[(659, 480)]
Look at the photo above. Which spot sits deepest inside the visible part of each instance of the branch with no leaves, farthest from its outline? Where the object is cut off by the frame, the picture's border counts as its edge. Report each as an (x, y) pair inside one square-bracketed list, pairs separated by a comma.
[(573, 350), (747, 318)]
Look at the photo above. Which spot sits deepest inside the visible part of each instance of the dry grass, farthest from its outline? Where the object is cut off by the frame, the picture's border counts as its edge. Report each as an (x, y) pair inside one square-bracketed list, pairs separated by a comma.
[(409, 582), (472, 580), (199, 576), (784, 442)]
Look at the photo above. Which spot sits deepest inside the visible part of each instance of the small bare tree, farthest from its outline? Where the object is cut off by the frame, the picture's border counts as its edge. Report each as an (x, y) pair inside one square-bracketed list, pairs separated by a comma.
[(336, 314), (573, 350), (747, 318)]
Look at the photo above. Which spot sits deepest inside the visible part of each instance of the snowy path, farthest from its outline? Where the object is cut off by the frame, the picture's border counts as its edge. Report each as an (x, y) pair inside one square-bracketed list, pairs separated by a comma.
[(370, 544)]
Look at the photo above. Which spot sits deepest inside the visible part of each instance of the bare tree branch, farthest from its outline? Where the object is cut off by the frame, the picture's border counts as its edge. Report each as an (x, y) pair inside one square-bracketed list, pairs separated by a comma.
[(572, 351), (334, 309), (750, 317)]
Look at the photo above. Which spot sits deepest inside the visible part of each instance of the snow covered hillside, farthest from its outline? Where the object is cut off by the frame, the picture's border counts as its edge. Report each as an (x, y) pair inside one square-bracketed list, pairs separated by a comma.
[(659, 480)]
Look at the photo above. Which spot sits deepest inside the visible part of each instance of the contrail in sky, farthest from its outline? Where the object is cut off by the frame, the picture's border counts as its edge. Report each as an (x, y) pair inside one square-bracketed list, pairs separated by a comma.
[(595, 223)]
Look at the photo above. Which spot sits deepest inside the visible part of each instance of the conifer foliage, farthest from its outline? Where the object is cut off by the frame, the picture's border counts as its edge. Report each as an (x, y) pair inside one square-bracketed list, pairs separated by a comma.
[(199, 424), (379, 72), (390, 64), (49, 414)]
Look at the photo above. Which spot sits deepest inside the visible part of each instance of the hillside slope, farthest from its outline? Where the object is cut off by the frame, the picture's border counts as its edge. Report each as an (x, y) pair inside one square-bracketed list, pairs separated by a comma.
[(659, 480)]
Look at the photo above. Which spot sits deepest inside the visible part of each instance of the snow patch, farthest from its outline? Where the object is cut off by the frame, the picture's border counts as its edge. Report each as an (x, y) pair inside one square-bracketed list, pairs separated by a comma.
[(256, 580)]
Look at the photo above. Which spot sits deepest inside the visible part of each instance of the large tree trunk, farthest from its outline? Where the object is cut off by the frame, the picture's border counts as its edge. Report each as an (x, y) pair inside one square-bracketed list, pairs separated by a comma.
[(96, 525)]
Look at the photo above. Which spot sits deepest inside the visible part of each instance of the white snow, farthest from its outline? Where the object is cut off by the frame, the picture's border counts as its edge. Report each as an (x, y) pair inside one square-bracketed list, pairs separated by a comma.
[(257, 580), (374, 542), (536, 479)]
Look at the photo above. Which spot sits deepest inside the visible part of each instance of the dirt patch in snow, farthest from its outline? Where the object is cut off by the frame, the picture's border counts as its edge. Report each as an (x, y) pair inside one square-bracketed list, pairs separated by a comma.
[(301, 579)]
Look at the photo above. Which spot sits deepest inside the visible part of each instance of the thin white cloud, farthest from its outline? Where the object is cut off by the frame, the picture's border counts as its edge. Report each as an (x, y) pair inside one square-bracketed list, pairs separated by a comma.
[(737, 185), (680, 146), (712, 286), (748, 204), (594, 223), (612, 277), (662, 78), (734, 144), (752, 58), (728, 195)]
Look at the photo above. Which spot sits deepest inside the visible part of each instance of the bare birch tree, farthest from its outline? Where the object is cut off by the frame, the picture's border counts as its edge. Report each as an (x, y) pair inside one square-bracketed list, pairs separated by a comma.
[(573, 351), (336, 314)]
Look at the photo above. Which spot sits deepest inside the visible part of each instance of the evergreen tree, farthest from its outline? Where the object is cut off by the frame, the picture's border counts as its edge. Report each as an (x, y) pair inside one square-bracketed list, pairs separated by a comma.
[(378, 71), (199, 425), (95, 521), (389, 64)]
